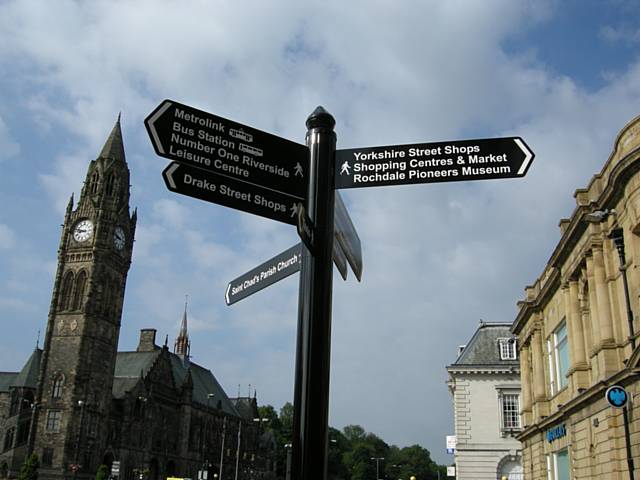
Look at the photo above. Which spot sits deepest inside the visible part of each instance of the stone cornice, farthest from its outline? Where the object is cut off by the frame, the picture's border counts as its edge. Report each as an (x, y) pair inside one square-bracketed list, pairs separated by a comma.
[(603, 192)]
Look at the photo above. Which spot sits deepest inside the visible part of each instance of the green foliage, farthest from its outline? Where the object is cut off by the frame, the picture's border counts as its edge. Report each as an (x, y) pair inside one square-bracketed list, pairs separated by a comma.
[(29, 469), (351, 452), (102, 473)]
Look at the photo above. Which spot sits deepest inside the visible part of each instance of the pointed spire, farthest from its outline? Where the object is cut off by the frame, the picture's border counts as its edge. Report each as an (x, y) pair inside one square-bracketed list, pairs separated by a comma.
[(182, 346), (183, 326), (70, 205), (114, 147)]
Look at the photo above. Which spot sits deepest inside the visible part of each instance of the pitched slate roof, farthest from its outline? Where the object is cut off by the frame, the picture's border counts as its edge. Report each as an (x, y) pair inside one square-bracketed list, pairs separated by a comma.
[(246, 407), (28, 376), (6, 380), (483, 348), (131, 365), (204, 383)]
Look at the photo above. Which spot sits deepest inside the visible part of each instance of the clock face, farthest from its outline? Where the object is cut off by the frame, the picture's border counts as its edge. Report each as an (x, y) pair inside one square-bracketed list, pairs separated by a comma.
[(83, 231), (119, 238)]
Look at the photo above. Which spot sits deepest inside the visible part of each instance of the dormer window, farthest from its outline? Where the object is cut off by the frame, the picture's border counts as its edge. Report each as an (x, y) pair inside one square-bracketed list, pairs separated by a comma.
[(507, 347)]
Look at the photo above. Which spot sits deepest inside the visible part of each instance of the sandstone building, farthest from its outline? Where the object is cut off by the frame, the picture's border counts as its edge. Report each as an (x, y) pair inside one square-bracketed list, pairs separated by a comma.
[(79, 403), (578, 331)]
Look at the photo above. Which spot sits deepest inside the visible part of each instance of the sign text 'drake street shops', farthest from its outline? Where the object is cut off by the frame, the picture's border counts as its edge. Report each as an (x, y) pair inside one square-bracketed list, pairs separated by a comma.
[(200, 139), (483, 159), (223, 190)]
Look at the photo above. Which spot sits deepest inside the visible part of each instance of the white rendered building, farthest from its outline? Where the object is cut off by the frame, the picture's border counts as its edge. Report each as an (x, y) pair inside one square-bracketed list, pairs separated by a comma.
[(485, 384)]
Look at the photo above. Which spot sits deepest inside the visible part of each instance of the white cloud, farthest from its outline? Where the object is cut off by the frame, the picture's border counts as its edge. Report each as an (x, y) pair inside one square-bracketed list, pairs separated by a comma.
[(8, 146), (436, 258), (7, 237)]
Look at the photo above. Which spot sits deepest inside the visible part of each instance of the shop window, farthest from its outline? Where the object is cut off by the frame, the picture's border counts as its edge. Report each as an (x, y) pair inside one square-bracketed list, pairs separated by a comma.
[(558, 465)]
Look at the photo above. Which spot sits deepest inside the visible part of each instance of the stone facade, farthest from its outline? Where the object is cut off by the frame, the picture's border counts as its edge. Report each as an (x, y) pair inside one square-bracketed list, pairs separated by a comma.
[(485, 382), (577, 329), (79, 403)]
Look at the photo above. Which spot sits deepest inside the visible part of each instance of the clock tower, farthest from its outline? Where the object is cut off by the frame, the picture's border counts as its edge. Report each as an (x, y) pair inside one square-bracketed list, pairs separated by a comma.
[(76, 374)]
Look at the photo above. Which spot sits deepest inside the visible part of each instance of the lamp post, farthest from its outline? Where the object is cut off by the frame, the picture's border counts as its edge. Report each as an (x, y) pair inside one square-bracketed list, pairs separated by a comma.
[(238, 447), (204, 454), (76, 466), (377, 459), (288, 446), (618, 240), (224, 434)]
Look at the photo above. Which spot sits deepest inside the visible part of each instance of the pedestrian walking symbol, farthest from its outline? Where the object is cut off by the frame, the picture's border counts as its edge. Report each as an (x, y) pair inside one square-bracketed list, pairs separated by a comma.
[(345, 168), (298, 170)]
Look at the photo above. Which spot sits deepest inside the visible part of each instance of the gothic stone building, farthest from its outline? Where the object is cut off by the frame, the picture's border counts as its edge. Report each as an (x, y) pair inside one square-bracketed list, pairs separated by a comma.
[(78, 403)]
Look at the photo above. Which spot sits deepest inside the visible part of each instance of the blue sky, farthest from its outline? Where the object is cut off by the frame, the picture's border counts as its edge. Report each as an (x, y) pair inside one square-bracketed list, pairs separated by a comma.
[(565, 76)]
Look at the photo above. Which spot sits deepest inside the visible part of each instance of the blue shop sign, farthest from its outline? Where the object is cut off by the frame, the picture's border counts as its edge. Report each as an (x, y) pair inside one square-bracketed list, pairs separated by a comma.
[(556, 433)]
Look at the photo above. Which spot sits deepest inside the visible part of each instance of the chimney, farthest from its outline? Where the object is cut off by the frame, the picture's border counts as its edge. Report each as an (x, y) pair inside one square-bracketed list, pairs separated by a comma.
[(147, 340)]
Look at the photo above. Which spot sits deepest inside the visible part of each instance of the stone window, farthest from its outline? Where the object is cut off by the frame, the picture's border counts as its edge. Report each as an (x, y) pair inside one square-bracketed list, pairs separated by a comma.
[(53, 421), (510, 411), (67, 288), (8, 438), (78, 294), (47, 457), (95, 180), (558, 356), (507, 347), (58, 382)]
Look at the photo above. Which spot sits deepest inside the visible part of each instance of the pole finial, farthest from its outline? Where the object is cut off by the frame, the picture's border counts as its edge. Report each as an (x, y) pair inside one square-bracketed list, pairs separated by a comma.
[(320, 118)]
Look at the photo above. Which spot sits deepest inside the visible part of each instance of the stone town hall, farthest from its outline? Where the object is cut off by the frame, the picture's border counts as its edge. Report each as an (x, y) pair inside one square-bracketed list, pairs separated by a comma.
[(79, 403)]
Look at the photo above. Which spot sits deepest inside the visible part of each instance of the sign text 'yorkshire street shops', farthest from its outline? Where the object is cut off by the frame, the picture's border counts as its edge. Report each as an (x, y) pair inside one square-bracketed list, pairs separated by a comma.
[(453, 161)]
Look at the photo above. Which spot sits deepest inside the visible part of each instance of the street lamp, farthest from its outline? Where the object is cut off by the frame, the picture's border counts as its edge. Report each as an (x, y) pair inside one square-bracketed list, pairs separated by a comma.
[(377, 459), (76, 466), (288, 446), (618, 240), (205, 443)]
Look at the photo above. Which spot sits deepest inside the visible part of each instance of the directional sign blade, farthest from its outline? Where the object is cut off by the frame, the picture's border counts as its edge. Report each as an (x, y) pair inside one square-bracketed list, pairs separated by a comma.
[(227, 191), (201, 139), (347, 237), (453, 161), (270, 272), (339, 259)]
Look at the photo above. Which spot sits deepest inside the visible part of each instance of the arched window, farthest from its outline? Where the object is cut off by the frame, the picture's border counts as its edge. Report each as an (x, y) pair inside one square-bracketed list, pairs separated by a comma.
[(78, 295), (67, 288), (58, 382), (95, 181), (111, 180)]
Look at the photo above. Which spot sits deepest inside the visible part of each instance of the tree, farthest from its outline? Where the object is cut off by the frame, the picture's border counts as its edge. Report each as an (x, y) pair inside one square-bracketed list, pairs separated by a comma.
[(102, 473), (29, 469)]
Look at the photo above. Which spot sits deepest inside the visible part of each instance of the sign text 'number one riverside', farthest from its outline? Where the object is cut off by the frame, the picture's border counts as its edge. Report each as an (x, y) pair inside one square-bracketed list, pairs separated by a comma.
[(224, 162)]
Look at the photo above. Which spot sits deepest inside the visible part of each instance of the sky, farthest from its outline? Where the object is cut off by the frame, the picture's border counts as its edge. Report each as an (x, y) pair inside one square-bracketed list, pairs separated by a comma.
[(438, 258)]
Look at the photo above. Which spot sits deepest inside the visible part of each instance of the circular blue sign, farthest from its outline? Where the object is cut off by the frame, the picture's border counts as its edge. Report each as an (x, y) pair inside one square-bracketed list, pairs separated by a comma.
[(617, 396)]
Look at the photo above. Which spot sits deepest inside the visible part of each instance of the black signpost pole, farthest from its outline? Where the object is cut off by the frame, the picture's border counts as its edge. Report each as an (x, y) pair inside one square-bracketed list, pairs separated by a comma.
[(313, 351)]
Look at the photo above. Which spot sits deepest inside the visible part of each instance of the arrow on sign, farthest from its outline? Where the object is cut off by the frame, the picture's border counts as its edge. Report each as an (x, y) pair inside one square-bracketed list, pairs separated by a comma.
[(200, 139), (227, 191), (454, 161)]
